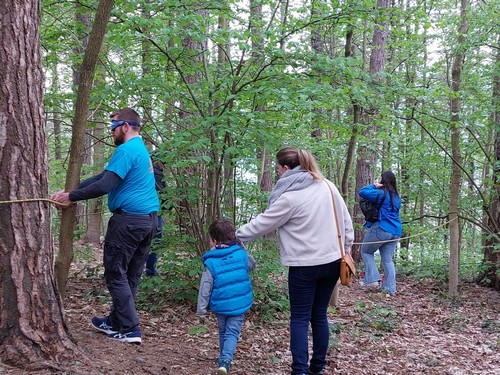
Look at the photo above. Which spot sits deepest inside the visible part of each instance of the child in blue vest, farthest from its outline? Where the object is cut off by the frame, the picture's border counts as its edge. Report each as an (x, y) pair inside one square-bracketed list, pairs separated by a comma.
[(226, 287)]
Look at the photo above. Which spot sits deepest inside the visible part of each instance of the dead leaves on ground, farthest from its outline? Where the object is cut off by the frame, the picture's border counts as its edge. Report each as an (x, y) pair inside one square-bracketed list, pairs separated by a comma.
[(417, 331)]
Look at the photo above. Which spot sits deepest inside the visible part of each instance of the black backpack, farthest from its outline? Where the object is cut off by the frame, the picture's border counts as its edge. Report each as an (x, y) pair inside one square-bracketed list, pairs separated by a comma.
[(159, 175), (371, 209)]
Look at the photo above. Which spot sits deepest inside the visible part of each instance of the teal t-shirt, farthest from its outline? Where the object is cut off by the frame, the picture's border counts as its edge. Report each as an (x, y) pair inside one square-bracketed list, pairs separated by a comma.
[(135, 193)]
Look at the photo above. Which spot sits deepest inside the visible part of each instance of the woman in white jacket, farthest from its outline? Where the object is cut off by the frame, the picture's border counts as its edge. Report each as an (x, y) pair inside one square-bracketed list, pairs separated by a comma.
[(300, 207)]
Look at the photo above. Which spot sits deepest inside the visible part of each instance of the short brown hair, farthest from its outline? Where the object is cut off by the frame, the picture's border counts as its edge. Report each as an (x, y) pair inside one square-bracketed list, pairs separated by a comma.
[(127, 114), (222, 231)]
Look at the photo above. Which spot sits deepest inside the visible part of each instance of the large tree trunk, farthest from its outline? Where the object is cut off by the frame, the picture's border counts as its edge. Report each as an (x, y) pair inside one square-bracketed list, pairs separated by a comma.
[(365, 172), (456, 71), (32, 328), (196, 213), (86, 75)]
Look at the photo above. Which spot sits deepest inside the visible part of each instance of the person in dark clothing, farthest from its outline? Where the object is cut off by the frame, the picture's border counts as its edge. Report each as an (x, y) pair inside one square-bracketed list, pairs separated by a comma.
[(128, 180), (152, 258)]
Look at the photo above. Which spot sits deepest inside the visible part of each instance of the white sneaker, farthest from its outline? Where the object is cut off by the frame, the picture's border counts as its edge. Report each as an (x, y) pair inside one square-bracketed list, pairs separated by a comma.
[(374, 285)]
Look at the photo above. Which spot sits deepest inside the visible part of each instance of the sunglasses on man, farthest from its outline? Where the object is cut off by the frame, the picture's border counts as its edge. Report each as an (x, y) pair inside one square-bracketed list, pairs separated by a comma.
[(117, 123)]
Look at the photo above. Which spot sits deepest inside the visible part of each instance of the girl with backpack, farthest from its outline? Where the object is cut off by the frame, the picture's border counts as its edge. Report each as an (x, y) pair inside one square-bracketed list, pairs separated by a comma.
[(383, 233)]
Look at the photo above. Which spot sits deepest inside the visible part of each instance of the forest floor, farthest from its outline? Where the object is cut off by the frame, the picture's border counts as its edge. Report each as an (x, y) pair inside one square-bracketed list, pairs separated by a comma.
[(416, 331)]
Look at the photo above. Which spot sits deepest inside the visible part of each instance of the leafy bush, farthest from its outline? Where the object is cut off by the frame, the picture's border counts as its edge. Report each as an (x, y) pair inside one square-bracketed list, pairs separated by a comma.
[(334, 328), (379, 317), (180, 274), (269, 281), (178, 282)]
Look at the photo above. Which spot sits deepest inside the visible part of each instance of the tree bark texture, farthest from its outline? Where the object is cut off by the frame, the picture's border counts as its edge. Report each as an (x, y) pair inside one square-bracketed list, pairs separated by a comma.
[(194, 214), (87, 71), (95, 206), (367, 153), (228, 186), (351, 149), (318, 46), (456, 72), (56, 117), (265, 177), (32, 326), (491, 244)]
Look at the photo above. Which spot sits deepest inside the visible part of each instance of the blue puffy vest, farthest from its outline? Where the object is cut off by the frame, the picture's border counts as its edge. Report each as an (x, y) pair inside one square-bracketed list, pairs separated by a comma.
[(232, 289)]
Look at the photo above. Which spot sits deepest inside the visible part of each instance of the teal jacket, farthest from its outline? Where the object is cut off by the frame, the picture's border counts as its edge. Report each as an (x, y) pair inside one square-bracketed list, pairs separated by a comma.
[(226, 281)]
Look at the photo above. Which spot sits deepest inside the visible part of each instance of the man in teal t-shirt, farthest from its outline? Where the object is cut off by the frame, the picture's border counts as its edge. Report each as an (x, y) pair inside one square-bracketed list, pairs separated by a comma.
[(133, 194), (128, 179)]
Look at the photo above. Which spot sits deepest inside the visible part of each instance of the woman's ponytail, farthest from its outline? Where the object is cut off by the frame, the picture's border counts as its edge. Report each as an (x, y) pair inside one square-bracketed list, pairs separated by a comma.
[(308, 162)]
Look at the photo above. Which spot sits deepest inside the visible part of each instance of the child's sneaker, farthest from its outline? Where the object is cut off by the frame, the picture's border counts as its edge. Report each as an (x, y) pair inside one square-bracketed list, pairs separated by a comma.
[(224, 365), (131, 337), (103, 325)]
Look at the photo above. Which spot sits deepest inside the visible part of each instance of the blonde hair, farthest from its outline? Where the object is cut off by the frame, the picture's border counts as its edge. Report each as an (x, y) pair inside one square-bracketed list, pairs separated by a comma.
[(293, 157)]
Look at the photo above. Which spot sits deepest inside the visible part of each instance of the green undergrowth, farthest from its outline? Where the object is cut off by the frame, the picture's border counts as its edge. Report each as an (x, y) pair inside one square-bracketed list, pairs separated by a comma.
[(381, 318), (438, 268), (376, 320), (179, 277)]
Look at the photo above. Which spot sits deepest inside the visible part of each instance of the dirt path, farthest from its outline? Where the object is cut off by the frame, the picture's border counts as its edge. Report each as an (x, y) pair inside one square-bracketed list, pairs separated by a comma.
[(413, 332)]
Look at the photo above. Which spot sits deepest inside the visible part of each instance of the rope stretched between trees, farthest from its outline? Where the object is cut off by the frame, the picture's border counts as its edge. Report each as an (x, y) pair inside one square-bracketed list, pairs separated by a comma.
[(354, 243), (407, 237), (32, 200)]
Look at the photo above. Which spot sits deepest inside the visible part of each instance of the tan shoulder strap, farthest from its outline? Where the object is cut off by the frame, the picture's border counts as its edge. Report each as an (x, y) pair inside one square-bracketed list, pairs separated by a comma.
[(339, 235)]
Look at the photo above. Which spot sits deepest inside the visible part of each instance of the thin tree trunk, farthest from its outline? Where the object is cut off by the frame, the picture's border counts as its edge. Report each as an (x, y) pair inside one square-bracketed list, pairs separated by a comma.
[(229, 186), (491, 220), (356, 110), (86, 74), (95, 206), (318, 47), (263, 154), (405, 147), (421, 195), (456, 71), (57, 116)]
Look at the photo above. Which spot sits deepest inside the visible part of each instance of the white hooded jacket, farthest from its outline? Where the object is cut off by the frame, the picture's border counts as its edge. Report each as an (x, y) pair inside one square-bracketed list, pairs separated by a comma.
[(306, 225)]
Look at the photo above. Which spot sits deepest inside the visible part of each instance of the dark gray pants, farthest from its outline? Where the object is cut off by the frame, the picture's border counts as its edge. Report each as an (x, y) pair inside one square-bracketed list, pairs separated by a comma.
[(126, 248)]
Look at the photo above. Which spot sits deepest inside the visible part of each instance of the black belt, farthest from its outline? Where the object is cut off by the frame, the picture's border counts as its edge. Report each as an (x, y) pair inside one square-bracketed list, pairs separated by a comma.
[(119, 211)]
